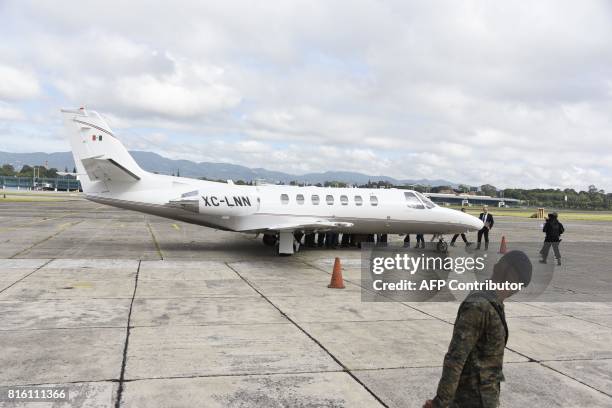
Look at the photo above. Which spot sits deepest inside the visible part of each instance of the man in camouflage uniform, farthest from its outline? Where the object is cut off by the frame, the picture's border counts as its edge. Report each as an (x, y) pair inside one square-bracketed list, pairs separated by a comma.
[(472, 369)]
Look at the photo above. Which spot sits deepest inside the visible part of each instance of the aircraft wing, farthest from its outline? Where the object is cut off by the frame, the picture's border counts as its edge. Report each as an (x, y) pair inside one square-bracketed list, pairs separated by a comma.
[(310, 223)]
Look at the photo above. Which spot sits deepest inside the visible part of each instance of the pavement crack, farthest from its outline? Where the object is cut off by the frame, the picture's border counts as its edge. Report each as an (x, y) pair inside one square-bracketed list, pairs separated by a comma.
[(575, 379), (127, 341), (44, 219), (317, 342), (34, 271), (228, 375), (62, 229)]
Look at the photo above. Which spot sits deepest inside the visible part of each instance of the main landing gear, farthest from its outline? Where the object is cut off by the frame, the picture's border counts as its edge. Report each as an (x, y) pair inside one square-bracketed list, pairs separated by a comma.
[(285, 242), (270, 240)]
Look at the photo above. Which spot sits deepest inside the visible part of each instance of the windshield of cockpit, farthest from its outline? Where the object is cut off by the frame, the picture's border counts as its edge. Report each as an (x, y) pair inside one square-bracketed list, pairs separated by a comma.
[(428, 203)]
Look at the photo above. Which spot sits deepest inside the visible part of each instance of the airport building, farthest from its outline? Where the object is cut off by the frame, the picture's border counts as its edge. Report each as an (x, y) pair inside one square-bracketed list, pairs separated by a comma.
[(60, 183), (468, 200)]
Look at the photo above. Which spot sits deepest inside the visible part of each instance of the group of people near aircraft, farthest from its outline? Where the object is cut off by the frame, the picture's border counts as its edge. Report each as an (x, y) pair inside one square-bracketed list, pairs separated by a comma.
[(332, 239)]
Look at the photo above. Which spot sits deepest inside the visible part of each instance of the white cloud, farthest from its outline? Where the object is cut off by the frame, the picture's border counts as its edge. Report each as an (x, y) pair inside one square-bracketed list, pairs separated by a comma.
[(17, 84), (8, 112), (501, 92), (146, 83), (181, 95)]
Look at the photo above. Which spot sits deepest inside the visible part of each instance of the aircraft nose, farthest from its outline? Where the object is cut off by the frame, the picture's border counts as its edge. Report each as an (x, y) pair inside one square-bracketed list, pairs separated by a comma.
[(464, 220), (472, 223)]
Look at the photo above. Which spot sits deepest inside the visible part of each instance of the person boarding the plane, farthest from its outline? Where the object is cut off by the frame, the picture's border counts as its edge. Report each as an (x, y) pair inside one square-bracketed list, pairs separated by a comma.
[(407, 241), (463, 237), (420, 238)]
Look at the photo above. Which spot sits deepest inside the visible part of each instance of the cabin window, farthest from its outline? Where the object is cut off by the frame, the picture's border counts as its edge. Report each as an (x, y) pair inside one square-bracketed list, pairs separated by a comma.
[(343, 200), (428, 203), (373, 201), (315, 199), (329, 199), (413, 201), (300, 199), (284, 199), (358, 200)]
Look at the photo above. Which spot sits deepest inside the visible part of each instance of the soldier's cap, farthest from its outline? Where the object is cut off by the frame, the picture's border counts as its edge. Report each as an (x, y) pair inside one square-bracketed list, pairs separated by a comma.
[(521, 264)]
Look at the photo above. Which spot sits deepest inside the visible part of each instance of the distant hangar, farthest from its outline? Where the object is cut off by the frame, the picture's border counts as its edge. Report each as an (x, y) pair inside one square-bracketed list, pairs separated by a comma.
[(471, 200)]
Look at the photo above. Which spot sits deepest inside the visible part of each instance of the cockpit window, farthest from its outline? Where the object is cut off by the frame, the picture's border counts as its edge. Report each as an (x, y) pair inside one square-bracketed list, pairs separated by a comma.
[(413, 201), (428, 203)]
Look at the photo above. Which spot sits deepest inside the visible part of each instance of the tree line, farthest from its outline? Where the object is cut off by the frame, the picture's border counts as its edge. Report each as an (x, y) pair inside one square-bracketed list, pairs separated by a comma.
[(592, 199), (29, 171)]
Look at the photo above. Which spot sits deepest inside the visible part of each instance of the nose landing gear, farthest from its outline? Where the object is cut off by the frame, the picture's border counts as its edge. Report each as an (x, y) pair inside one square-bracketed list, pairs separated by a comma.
[(442, 246)]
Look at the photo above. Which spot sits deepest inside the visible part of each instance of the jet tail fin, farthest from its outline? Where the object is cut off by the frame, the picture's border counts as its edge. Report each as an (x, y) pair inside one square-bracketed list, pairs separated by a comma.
[(97, 152)]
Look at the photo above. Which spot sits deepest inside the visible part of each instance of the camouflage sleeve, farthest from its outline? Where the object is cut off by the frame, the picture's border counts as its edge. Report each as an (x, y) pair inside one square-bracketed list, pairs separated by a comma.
[(468, 327)]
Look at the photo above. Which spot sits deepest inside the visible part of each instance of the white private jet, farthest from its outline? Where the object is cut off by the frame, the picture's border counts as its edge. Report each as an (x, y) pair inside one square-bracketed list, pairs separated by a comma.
[(109, 175)]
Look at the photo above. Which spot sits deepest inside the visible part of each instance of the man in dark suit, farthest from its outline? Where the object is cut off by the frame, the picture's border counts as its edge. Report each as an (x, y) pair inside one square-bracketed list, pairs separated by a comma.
[(488, 224)]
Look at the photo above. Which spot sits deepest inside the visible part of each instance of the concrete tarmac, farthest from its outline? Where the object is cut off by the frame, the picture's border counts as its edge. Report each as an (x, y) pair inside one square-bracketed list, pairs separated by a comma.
[(132, 310)]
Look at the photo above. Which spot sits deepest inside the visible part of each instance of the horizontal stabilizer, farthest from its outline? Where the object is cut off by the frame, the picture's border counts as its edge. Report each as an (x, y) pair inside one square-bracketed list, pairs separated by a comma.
[(106, 169)]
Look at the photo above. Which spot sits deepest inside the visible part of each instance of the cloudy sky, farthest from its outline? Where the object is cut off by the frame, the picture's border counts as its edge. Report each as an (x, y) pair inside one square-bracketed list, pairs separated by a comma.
[(510, 93)]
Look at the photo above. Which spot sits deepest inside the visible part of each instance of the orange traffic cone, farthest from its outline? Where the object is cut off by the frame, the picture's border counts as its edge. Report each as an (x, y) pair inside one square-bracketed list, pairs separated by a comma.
[(336, 279), (503, 248)]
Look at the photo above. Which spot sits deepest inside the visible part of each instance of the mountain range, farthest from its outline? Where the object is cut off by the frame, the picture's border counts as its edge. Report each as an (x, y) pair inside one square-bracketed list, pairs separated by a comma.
[(153, 162)]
